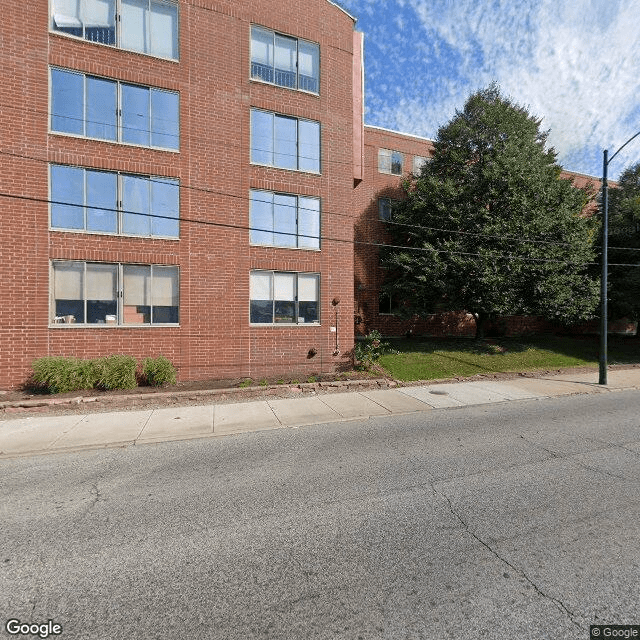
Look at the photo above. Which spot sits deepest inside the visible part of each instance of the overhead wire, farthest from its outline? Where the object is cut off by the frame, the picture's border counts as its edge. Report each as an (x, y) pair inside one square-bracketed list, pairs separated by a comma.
[(320, 237), (162, 179)]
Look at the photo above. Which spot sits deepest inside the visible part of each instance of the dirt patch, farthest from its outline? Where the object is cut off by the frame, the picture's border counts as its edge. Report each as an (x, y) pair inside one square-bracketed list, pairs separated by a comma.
[(18, 404)]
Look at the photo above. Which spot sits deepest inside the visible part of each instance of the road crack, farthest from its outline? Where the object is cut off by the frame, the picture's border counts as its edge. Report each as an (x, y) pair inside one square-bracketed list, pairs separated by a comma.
[(96, 495), (571, 458), (465, 525)]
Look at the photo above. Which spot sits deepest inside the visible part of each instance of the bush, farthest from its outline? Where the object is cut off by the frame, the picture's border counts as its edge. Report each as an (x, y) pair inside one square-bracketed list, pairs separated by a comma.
[(57, 374), (116, 372), (158, 371), (369, 349)]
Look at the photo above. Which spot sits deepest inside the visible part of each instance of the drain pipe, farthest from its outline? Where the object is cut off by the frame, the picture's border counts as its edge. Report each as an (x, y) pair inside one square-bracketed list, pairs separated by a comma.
[(335, 302)]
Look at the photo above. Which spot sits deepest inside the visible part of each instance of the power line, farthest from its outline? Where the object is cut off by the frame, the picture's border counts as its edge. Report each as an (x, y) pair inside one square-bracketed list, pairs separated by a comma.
[(182, 136), (488, 235), (325, 238), (249, 199)]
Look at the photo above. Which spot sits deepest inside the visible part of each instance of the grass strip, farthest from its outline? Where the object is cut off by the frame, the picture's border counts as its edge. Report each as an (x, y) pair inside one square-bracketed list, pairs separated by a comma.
[(433, 358)]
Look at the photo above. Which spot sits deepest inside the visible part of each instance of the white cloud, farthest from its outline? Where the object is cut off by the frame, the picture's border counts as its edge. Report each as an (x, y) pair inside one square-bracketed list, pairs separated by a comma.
[(574, 62)]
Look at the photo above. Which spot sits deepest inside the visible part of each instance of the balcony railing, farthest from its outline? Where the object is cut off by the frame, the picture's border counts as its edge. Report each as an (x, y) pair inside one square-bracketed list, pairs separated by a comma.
[(283, 78)]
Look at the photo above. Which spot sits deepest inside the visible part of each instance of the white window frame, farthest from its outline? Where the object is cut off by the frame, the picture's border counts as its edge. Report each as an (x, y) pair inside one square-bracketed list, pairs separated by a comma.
[(117, 27), (270, 70), (119, 210), (273, 151), (111, 320), (388, 159), (119, 139), (419, 162), (298, 236), (296, 322)]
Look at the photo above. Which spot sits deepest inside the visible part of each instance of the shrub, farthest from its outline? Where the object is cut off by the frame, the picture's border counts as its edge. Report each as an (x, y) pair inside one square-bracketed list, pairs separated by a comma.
[(57, 374), (369, 349), (116, 372), (158, 371)]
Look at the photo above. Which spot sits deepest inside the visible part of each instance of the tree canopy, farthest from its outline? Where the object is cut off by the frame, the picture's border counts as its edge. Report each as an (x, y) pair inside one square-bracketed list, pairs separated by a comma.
[(624, 231), (624, 203), (489, 226)]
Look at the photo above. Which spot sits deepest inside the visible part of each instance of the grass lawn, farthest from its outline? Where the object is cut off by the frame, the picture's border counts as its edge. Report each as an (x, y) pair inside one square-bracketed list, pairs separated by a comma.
[(432, 358)]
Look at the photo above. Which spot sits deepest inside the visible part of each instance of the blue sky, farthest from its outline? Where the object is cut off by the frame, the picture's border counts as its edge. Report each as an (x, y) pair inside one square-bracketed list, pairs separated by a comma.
[(574, 63)]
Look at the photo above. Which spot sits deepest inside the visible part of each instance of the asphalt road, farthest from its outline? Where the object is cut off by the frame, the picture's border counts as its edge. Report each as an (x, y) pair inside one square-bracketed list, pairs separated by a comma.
[(507, 521)]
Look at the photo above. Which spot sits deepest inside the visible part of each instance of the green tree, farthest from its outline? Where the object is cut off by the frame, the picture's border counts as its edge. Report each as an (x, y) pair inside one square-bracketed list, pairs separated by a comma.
[(624, 203), (489, 225), (624, 231)]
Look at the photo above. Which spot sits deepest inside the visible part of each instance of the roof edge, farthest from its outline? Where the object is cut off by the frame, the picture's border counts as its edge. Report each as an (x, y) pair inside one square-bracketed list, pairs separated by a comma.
[(343, 10), (582, 175), (400, 133)]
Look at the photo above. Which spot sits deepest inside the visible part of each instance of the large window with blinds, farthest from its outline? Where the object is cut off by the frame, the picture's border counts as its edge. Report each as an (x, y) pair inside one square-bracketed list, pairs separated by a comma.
[(145, 26), (284, 297), (93, 293)]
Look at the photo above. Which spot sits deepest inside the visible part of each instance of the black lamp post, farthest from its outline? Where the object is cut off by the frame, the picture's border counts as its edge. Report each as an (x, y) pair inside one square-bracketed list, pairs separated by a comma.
[(605, 260)]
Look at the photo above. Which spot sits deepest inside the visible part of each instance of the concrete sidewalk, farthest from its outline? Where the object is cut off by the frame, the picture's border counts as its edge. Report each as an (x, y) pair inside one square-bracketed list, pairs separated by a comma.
[(50, 434)]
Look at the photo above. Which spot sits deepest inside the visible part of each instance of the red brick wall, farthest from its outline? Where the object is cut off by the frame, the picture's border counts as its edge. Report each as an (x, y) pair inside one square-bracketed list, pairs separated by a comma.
[(214, 338), (369, 230)]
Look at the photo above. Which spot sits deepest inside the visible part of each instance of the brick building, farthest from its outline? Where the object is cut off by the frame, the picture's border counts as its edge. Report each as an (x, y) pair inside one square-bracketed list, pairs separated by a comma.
[(185, 178), (141, 141)]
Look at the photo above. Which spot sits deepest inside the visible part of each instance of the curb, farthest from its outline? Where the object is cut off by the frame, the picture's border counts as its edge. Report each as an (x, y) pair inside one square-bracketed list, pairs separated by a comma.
[(250, 393), (244, 392)]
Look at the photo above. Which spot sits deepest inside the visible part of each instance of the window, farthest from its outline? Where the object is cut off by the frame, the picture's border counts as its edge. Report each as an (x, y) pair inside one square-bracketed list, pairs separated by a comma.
[(388, 304), (418, 163), (282, 220), (110, 110), (89, 293), (284, 61), (285, 142), (390, 162), (284, 298), (107, 202), (385, 207), (147, 26)]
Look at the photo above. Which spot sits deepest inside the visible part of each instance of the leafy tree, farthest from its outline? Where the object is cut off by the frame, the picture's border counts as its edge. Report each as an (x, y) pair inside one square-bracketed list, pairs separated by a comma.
[(489, 225), (624, 231), (624, 203)]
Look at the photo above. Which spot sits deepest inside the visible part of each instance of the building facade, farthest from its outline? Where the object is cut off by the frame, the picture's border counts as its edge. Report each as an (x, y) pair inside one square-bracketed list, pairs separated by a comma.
[(177, 178), (193, 178)]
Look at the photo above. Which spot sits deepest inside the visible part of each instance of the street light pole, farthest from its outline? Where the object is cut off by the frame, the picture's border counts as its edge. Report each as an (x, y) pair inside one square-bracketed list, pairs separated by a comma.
[(605, 267), (605, 260)]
